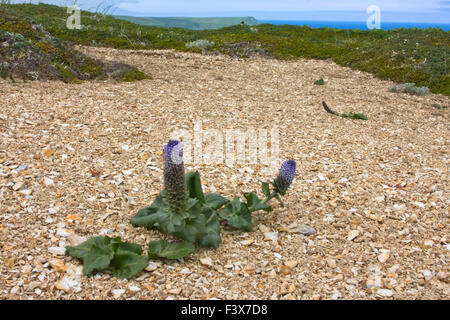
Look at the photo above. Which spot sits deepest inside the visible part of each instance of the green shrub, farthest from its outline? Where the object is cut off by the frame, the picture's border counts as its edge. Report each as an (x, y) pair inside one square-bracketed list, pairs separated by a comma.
[(199, 44), (409, 88), (319, 82)]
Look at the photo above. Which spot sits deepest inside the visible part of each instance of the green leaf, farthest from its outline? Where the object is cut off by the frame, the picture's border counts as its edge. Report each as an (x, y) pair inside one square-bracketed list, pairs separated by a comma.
[(356, 116), (237, 215), (144, 217), (319, 82), (256, 204), (194, 227), (215, 201), (98, 259), (127, 264), (96, 253), (194, 186), (265, 188), (168, 250), (131, 247), (211, 238), (159, 216)]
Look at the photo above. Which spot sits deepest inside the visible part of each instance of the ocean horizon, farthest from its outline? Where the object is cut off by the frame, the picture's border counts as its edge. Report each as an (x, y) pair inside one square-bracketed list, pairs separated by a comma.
[(361, 25)]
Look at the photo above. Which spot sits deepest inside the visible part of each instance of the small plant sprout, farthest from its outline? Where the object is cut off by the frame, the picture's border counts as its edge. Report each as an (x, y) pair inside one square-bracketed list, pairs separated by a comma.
[(183, 212)]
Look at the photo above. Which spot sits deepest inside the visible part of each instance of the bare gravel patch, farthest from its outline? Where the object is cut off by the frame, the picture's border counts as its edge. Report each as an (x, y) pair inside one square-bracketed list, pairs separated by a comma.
[(80, 160)]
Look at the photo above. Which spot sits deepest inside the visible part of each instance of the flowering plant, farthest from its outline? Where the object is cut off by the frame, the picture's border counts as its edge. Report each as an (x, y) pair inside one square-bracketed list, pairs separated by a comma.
[(183, 211)]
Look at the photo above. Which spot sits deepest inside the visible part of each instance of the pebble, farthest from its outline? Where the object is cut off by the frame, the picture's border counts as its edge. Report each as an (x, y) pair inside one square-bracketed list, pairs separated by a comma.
[(336, 295), (48, 181), (285, 270), (305, 230), (352, 235), (62, 233), (385, 292), (152, 266), (118, 292), (128, 172), (134, 288), (63, 284), (428, 244), (53, 210), (206, 261), (442, 276), (291, 264), (76, 240), (331, 263), (383, 256), (25, 192), (271, 236), (427, 275), (59, 251), (188, 271), (174, 291), (374, 282), (17, 186), (58, 265), (68, 284), (131, 201)]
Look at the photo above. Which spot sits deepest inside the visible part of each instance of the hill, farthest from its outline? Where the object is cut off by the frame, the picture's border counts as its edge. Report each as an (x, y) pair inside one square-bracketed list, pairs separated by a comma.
[(417, 56), (190, 23), (29, 52)]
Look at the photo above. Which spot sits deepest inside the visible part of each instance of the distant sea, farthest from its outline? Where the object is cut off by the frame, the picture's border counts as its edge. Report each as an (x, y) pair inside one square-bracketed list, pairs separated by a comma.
[(357, 25)]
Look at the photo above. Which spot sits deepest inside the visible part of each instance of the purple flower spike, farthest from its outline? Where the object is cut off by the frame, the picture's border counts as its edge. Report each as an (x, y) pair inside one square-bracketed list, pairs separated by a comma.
[(286, 176), (174, 177)]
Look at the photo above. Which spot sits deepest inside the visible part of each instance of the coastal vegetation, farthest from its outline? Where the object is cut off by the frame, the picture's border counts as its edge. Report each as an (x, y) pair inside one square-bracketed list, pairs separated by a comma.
[(419, 56)]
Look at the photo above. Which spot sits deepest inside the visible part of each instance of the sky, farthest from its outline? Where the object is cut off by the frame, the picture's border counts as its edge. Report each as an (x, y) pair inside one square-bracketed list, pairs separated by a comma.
[(436, 11)]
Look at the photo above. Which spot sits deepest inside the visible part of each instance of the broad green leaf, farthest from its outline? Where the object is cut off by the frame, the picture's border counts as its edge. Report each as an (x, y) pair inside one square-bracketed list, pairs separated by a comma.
[(256, 204), (159, 216), (97, 252), (265, 188), (127, 264), (84, 249), (144, 217), (169, 250), (131, 247), (98, 259), (194, 227), (215, 201), (211, 238), (237, 215), (194, 186)]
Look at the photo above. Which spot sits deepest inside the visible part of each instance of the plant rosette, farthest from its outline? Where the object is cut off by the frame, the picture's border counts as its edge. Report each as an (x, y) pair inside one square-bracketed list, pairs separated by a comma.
[(183, 211)]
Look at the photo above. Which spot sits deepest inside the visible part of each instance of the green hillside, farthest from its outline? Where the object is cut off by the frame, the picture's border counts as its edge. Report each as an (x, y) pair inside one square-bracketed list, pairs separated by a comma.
[(190, 23), (30, 52), (419, 56)]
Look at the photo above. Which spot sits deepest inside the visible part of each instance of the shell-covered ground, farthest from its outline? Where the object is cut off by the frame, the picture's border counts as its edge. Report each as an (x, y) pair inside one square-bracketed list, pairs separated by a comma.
[(79, 160)]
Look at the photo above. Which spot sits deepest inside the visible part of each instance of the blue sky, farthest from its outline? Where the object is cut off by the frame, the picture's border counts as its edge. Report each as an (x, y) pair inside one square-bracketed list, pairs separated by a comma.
[(437, 11)]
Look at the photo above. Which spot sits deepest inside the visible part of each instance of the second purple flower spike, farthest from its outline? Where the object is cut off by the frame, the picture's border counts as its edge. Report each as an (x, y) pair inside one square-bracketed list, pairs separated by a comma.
[(286, 176)]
